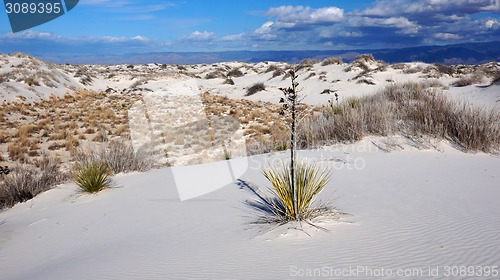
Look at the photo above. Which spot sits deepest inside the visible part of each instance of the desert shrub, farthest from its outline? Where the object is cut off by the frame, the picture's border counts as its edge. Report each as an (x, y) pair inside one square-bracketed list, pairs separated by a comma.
[(306, 63), (310, 180), (277, 73), (365, 81), (399, 66), (229, 82), (255, 88), (235, 73), (92, 177), (354, 102), (215, 74), (432, 83), (17, 151), (445, 69), (468, 80), (410, 109), (19, 186), (120, 156), (25, 182), (312, 74), (331, 60), (272, 68), (413, 70), (496, 80)]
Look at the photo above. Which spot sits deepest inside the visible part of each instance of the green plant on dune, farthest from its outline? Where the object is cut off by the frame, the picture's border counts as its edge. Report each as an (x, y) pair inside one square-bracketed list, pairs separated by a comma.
[(296, 184), (92, 177), (294, 198)]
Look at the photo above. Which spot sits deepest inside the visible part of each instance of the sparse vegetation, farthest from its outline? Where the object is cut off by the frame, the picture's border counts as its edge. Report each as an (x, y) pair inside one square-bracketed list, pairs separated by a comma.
[(411, 110), (332, 61), (235, 73), (255, 88), (310, 181), (92, 177), (120, 156), (295, 186), (25, 182), (468, 80)]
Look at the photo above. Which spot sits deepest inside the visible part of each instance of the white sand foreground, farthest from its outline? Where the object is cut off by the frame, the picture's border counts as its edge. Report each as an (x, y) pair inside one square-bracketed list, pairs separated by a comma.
[(414, 214)]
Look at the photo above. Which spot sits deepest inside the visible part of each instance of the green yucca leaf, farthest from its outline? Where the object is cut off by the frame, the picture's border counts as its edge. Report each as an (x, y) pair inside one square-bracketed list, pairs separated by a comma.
[(92, 177), (309, 182)]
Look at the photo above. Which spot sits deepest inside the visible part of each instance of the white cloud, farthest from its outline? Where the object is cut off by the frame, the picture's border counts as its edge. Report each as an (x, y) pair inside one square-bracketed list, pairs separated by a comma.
[(292, 16), (233, 37), (327, 15), (388, 8), (446, 36), (265, 31), (140, 38), (406, 26), (201, 36), (30, 34)]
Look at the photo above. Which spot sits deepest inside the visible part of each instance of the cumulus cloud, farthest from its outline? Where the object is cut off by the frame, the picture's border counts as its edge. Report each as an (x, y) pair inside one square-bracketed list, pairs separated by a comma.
[(30, 34), (46, 36), (441, 7), (300, 16), (201, 36), (265, 31), (403, 24), (446, 36), (492, 24), (234, 37)]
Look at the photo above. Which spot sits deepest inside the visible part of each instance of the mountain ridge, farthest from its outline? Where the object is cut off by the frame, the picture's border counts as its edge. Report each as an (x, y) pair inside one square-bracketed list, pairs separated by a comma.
[(465, 53)]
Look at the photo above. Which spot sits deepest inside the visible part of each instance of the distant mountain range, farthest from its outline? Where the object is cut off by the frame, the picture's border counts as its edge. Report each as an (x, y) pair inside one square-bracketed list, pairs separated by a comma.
[(467, 53)]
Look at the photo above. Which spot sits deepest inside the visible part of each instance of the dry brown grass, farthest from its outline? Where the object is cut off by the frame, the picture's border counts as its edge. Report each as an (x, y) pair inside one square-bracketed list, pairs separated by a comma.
[(60, 120), (4, 136), (412, 110)]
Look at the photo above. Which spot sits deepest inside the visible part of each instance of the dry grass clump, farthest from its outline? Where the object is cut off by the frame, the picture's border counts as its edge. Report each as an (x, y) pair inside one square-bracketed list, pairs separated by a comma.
[(236, 72), (307, 63), (278, 72), (263, 125), (218, 73), (58, 121), (229, 82), (255, 88), (445, 69), (409, 109), (4, 136), (272, 68), (25, 182), (413, 70), (332, 61), (361, 62), (468, 80), (119, 155)]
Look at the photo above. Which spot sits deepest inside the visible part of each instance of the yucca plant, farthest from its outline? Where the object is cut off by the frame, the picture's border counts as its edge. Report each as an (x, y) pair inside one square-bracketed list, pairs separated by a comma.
[(92, 177), (296, 184), (309, 182)]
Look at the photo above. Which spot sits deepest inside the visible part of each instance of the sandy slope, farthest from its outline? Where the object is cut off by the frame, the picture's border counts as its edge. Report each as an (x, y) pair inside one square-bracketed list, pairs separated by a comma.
[(128, 79), (409, 209)]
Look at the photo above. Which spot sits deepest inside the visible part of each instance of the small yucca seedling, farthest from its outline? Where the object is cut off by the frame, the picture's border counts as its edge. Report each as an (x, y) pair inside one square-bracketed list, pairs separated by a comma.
[(309, 182), (92, 177)]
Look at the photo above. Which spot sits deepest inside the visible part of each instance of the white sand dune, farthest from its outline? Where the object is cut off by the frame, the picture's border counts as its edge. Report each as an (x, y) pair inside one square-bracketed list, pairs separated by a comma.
[(416, 212), (408, 209)]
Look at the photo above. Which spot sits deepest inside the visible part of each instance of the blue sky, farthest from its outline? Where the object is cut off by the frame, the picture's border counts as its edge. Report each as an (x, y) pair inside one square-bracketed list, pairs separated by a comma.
[(128, 26)]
